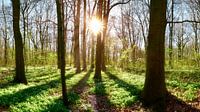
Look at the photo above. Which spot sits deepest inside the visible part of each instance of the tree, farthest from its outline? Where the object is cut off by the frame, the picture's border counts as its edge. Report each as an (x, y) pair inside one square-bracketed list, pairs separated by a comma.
[(19, 58), (76, 38), (5, 35), (171, 35), (61, 40), (106, 12), (99, 43), (154, 90), (84, 38)]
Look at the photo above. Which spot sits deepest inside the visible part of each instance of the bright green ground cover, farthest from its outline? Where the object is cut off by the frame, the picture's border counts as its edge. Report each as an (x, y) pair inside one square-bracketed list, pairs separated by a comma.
[(121, 89)]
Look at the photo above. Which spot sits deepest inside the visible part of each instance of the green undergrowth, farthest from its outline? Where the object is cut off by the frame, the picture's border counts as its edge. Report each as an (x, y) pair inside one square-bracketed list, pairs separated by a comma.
[(118, 89), (43, 92), (122, 89), (184, 84)]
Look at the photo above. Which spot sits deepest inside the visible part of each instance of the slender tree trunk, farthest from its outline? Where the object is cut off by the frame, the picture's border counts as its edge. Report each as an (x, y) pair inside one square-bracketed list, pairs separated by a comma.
[(171, 36), (84, 38), (61, 39), (76, 37), (92, 53), (99, 44), (105, 19), (154, 91), (73, 38), (196, 39), (5, 52), (19, 58), (5, 35)]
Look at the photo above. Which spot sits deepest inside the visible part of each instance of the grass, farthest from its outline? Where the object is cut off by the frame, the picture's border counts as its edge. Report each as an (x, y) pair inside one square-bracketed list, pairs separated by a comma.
[(119, 89), (184, 84)]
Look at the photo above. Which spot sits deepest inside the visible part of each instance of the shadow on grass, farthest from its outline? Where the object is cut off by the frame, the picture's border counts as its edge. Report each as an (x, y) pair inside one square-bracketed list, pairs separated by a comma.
[(56, 106), (176, 105), (78, 88), (33, 78), (7, 84), (134, 90), (73, 94), (173, 104), (100, 100), (23, 95)]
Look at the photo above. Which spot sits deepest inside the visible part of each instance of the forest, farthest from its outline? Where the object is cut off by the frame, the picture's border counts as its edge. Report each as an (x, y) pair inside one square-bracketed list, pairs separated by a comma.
[(99, 55)]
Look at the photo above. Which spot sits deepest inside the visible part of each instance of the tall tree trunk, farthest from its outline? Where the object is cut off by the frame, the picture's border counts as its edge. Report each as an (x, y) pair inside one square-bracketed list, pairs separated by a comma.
[(196, 39), (92, 53), (76, 37), (5, 52), (61, 39), (105, 19), (171, 36), (73, 38), (19, 58), (84, 38), (5, 35), (154, 90), (99, 43)]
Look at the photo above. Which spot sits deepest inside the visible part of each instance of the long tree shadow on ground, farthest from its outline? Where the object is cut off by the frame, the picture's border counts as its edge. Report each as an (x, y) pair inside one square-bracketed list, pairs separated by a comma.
[(134, 90), (172, 102), (176, 105), (75, 92), (56, 106), (79, 87), (73, 95), (100, 101), (23, 95)]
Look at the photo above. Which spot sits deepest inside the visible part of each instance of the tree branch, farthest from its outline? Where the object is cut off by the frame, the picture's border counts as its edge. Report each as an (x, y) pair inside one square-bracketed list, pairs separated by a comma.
[(118, 3), (184, 21)]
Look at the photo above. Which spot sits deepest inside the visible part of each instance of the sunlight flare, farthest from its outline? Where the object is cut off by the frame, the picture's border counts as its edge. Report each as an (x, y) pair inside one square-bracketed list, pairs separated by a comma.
[(96, 25)]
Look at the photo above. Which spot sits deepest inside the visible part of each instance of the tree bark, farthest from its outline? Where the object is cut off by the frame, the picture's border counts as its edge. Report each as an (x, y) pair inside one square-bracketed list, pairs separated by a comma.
[(154, 90), (84, 38), (61, 39), (76, 37), (19, 58), (5, 35), (171, 36), (105, 20), (99, 44), (92, 53)]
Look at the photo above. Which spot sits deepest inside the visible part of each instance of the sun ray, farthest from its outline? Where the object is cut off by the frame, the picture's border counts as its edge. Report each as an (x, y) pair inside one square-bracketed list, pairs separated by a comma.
[(96, 25)]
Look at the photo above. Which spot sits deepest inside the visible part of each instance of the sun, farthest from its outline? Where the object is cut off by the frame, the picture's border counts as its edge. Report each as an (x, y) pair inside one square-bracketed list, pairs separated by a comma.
[(95, 25)]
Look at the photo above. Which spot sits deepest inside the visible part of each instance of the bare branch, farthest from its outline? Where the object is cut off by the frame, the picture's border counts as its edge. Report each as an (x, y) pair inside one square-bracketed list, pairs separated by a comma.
[(118, 3), (184, 21)]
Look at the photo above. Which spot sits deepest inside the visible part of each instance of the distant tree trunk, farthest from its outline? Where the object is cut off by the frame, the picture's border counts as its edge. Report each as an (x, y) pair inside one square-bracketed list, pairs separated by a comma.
[(73, 38), (61, 39), (76, 37), (19, 58), (105, 19), (5, 34), (92, 53), (99, 43), (154, 91), (84, 38), (196, 39), (171, 36), (5, 51)]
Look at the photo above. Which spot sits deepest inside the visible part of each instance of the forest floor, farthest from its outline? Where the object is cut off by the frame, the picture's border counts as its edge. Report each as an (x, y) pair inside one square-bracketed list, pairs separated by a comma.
[(117, 91)]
